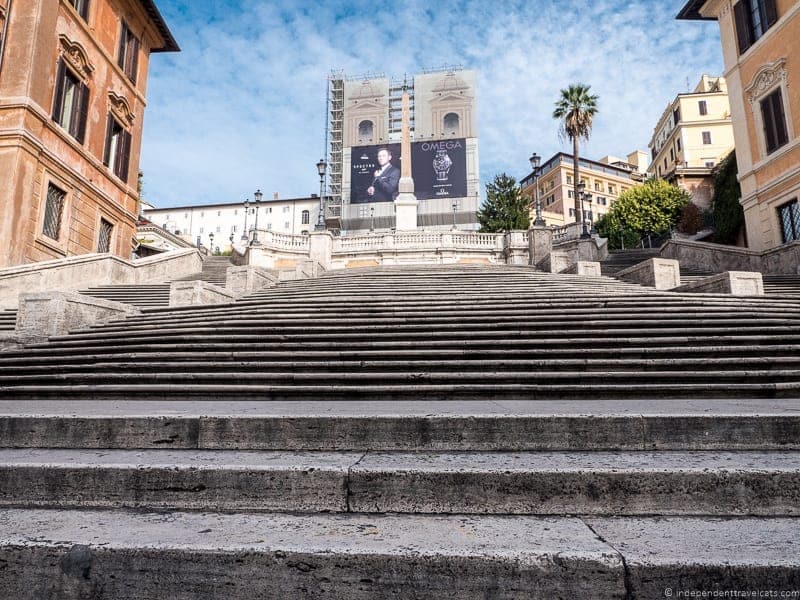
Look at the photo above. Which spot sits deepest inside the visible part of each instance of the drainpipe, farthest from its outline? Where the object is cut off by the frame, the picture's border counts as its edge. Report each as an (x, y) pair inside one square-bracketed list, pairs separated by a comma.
[(5, 33)]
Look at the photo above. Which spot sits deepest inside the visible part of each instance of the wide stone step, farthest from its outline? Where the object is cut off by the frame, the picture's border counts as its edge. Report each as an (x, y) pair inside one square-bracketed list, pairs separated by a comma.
[(81, 554), (228, 364), (436, 426), (542, 483), (714, 387)]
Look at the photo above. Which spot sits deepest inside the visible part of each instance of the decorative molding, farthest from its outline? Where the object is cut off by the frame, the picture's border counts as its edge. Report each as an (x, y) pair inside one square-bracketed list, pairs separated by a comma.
[(76, 56), (765, 78), (121, 108)]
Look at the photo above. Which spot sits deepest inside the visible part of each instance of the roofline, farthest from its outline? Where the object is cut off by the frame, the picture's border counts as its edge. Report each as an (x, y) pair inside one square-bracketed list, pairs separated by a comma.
[(170, 45), (691, 12), (232, 204), (623, 172)]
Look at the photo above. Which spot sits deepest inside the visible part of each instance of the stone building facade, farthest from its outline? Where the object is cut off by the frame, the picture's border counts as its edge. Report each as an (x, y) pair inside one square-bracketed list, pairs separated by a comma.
[(73, 77), (693, 134), (762, 68)]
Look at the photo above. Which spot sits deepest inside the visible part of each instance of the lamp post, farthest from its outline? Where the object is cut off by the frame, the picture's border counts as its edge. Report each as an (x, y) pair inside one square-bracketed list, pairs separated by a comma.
[(536, 160), (245, 235), (231, 240), (211, 241), (371, 219), (455, 208), (587, 197), (257, 195), (322, 167)]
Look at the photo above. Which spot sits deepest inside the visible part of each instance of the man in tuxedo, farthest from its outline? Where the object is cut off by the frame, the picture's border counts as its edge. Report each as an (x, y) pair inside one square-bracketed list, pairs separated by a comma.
[(387, 177)]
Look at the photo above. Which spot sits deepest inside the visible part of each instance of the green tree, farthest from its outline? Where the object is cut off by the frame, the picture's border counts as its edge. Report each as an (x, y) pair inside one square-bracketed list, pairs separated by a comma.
[(505, 207), (576, 109), (652, 207), (728, 213)]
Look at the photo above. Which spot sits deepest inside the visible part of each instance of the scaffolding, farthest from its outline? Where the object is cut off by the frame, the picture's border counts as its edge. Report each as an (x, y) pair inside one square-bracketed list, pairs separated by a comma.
[(396, 87), (335, 133)]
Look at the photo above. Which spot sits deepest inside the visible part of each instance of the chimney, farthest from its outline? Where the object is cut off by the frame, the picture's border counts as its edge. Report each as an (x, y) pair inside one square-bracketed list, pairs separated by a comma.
[(274, 195)]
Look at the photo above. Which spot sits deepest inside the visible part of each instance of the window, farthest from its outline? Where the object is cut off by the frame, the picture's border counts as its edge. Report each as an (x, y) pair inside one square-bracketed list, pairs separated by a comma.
[(304, 217), (774, 119), (753, 18), (710, 164), (286, 209), (269, 226), (118, 149), (671, 154), (598, 186), (219, 213), (365, 130), (269, 210), (287, 225), (789, 215), (569, 178), (678, 144), (706, 137), (570, 194), (676, 115), (53, 210), (571, 212), (71, 102), (128, 52), (219, 228), (201, 230), (104, 239), (82, 6), (601, 201), (702, 107), (611, 188), (233, 229), (451, 123)]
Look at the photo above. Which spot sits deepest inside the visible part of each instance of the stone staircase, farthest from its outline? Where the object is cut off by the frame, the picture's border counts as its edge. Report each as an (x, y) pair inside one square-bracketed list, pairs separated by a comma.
[(410, 432), (617, 260), (8, 319), (214, 271), (142, 295)]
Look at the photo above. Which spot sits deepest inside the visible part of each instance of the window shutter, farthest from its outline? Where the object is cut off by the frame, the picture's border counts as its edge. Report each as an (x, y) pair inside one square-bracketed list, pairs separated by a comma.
[(109, 134), (58, 99), (768, 117), (772, 13), (134, 48), (83, 108), (742, 29), (123, 40), (124, 155), (781, 133)]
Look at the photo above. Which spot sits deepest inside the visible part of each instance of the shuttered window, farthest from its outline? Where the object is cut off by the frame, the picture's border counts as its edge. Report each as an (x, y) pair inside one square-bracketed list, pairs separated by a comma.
[(128, 52), (53, 211), (118, 149), (82, 6), (71, 102), (753, 18), (774, 119)]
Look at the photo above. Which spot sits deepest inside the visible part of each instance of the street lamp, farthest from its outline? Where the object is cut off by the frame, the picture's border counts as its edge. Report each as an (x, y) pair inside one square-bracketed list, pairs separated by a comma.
[(587, 197), (372, 219), (455, 208), (257, 196), (211, 241), (322, 167), (245, 235), (536, 160), (231, 240)]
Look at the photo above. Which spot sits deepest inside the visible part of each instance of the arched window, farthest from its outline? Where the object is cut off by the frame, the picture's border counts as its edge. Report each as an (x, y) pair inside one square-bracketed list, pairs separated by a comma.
[(365, 130), (450, 123), (304, 217)]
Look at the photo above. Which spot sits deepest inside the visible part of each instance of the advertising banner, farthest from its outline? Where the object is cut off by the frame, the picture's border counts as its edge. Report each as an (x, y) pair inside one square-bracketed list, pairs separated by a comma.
[(439, 169)]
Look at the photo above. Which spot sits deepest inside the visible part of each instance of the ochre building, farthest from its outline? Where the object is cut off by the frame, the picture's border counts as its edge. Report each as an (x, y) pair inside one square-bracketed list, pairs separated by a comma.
[(762, 69), (73, 77)]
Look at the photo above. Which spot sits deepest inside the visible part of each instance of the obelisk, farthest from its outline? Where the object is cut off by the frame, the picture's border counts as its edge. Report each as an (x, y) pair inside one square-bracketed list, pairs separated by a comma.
[(406, 202)]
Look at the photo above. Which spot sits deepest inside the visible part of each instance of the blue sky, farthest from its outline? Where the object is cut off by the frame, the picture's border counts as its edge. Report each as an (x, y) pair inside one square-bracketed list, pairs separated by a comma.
[(243, 105)]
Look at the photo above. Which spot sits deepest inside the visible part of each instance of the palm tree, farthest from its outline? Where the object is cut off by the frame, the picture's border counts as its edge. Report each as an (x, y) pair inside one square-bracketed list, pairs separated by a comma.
[(576, 109)]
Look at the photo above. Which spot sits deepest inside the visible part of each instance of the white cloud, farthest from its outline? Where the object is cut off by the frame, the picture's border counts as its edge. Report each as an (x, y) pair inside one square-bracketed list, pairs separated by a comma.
[(243, 106)]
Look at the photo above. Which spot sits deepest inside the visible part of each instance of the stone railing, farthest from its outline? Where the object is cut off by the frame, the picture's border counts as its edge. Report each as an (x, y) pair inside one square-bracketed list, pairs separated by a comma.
[(79, 272), (566, 233), (718, 258), (423, 240), (282, 241)]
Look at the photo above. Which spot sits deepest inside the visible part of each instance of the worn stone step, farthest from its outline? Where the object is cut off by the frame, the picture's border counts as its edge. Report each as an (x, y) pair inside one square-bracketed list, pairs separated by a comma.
[(542, 483), (566, 390), (410, 426), (78, 554), (230, 364)]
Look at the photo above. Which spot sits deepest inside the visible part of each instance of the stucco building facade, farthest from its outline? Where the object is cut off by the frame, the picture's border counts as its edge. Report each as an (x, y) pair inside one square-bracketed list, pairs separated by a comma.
[(693, 134), (605, 180), (73, 77), (762, 69)]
